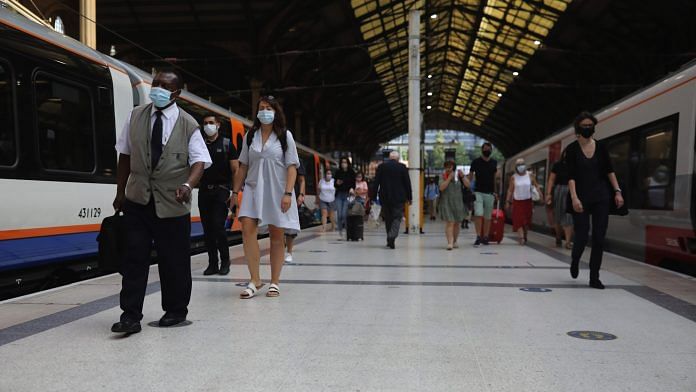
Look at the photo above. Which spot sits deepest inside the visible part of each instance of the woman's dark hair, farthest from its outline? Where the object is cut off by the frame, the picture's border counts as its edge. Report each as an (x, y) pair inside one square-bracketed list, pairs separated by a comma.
[(278, 122), (350, 167), (360, 173), (585, 115)]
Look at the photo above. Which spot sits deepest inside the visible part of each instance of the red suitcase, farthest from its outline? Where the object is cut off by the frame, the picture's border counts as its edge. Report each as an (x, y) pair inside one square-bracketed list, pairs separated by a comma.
[(497, 224)]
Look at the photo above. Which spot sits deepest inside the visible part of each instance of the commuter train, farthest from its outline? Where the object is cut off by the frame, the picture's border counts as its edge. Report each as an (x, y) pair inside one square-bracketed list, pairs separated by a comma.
[(62, 105), (651, 137)]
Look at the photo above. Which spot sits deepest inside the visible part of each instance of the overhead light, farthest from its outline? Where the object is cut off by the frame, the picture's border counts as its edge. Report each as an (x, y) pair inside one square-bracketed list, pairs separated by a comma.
[(430, 76), (112, 51), (537, 42), (655, 135), (500, 94), (515, 73), (433, 16), (428, 107), (430, 94)]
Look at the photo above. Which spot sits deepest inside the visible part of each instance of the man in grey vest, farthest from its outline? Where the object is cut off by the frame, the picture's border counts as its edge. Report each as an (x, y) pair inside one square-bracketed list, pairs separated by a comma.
[(162, 156)]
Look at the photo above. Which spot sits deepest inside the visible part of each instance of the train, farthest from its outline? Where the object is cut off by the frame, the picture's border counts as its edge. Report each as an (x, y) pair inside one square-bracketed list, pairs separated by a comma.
[(62, 106), (651, 138)]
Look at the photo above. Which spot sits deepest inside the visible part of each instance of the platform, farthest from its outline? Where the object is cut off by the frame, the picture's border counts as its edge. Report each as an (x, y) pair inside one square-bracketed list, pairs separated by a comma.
[(360, 317)]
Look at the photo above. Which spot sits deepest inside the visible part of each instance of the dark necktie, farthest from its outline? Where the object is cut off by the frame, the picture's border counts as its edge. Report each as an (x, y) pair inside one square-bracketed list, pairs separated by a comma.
[(156, 140)]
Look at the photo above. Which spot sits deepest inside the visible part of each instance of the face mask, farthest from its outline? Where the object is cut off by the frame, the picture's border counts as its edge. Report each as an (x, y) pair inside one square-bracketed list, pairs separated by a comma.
[(160, 97), (586, 132), (487, 153), (521, 168), (210, 129), (266, 116)]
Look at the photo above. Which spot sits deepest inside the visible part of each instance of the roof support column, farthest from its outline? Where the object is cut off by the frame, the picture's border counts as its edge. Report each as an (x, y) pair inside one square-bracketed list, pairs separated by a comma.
[(255, 96), (88, 27), (414, 120), (298, 126)]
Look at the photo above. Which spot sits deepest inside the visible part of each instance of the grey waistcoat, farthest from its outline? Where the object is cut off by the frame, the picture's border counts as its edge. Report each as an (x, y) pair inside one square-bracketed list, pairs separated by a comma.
[(171, 171)]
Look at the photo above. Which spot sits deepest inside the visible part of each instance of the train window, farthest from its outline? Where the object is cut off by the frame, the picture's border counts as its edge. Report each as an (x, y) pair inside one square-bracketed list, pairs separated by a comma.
[(65, 123), (8, 140), (656, 168), (619, 149), (310, 175), (539, 171)]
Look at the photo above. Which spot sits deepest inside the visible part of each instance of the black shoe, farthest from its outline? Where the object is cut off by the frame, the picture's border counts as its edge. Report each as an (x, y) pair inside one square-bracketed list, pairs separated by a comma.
[(596, 284), (478, 241), (126, 327), (390, 243), (466, 224), (484, 241), (574, 269), (211, 270), (169, 320), (224, 268)]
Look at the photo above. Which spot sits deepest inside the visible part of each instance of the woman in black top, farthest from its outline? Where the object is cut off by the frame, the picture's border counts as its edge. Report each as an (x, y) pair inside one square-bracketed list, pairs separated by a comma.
[(592, 184), (345, 181), (556, 199)]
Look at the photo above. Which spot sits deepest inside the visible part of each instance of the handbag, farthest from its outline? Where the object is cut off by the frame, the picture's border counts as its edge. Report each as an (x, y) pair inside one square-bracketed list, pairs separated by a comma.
[(535, 194), (112, 242)]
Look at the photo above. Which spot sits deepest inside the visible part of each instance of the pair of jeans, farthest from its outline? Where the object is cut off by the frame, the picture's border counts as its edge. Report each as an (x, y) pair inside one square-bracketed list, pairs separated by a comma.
[(599, 213), (341, 210), (172, 241), (212, 204)]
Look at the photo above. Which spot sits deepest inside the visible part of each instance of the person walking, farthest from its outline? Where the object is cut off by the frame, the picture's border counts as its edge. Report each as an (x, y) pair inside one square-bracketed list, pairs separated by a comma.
[(593, 188), (393, 186), (345, 181), (451, 203), (519, 196), (162, 157), (327, 200), (290, 235), (214, 193), (432, 191), (268, 169), (361, 189), (482, 172), (556, 199)]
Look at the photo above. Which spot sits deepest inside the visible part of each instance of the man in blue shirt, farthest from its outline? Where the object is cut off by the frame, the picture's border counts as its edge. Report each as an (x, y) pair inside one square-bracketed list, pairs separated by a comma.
[(432, 191)]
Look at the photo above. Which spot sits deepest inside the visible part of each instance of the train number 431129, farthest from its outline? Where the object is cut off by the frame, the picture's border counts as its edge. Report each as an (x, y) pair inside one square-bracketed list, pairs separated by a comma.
[(89, 213)]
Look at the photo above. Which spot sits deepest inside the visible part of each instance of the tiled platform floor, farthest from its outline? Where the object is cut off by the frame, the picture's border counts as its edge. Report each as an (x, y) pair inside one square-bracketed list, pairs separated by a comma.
[(359, 317)]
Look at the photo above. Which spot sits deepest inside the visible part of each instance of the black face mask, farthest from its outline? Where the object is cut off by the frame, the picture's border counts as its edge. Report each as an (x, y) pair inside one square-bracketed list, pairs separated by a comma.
[(585, 132), (487, 153)]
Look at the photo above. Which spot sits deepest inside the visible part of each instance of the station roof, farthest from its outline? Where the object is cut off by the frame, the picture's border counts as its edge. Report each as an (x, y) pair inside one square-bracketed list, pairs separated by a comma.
[(511, 71)]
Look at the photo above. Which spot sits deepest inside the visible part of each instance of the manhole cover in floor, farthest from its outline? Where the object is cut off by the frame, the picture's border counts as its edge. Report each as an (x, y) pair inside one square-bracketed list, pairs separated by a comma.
[(591, 335), (535, 289)]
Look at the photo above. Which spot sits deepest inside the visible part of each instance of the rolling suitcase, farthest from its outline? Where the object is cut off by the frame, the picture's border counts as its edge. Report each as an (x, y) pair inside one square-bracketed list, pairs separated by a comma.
[(354, 228), (497, 224)]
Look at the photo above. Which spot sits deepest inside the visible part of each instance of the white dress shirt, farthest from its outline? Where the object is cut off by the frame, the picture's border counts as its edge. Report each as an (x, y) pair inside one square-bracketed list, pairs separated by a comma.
[(197, 150)]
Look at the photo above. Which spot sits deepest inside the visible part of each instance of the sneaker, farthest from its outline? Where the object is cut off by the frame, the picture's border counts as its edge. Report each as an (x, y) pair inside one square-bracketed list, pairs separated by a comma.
[(484, 241), (478, 241), (288, 257)]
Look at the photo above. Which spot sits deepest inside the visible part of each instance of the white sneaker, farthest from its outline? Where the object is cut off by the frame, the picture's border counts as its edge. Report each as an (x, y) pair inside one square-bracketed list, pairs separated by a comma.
[(288, 257)]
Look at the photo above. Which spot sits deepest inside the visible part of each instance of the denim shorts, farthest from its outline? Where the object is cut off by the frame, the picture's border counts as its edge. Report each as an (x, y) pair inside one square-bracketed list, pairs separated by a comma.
[(330, 206)]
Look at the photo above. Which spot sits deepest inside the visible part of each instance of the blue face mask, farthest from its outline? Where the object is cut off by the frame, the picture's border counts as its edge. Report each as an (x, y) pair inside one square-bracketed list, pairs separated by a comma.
[(160, 97), (266, 116)]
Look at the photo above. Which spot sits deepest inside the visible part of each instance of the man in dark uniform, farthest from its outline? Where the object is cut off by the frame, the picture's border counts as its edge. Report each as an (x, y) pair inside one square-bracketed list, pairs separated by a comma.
[(214, 194), (161, 159), (300, 194)]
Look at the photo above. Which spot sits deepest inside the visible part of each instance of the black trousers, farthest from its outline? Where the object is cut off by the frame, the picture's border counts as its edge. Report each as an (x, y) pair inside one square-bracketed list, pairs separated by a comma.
[(172, 241), (392, 214), (599, 213), (212, 203)]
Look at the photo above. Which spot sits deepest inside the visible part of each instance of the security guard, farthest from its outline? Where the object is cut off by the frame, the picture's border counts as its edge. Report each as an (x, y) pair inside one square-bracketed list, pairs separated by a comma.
[(161, 158), (214, 194)]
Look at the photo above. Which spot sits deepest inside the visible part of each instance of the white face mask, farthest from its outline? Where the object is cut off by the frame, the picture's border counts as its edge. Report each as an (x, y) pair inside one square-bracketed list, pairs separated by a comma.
[(521, 168), (210, 129)]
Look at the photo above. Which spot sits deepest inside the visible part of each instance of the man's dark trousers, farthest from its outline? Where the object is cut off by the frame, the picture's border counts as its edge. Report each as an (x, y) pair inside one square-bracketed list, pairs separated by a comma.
[(392, 213), (213, 208), (172, 241)]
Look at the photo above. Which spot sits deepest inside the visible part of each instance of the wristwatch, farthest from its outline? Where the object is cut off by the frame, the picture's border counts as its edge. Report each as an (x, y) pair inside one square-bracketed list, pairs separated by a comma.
[(288, 193), (617, 190), (187, 185)]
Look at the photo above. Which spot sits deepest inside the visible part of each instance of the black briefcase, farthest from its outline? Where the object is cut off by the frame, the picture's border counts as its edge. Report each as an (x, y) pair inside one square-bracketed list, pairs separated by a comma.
[(111, 240)]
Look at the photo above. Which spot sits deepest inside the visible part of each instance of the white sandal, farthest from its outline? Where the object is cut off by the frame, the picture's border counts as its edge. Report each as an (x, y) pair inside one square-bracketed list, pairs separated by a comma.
[(273, 290), (250, 291)]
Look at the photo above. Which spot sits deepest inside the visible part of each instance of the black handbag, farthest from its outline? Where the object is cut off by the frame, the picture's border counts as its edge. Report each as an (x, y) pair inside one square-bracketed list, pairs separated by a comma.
[(112, 238), (467, 195), (306, 216)]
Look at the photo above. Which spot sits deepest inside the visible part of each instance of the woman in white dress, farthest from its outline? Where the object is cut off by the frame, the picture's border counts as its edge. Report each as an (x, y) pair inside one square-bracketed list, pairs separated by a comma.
[(268, 169), (327, 200)]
